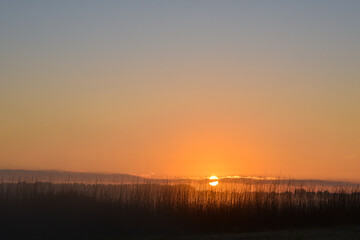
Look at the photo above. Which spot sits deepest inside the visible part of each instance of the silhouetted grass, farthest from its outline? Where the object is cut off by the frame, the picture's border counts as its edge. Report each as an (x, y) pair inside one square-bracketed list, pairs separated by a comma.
[(44, 210)]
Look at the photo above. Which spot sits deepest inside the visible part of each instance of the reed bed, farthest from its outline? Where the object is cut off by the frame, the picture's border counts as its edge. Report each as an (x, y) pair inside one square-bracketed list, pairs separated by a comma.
[(80, 210)]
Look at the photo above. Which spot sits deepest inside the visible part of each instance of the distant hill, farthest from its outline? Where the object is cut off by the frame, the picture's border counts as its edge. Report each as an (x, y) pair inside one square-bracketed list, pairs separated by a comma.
[(65, 176)]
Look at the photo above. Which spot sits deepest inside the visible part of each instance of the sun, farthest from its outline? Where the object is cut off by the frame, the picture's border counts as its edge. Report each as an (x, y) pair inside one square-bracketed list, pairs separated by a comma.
[(214, 181)]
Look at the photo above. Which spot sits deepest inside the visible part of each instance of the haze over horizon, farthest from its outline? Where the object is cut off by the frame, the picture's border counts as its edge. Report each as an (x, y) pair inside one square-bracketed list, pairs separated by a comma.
[(64, 176), (254, 88)]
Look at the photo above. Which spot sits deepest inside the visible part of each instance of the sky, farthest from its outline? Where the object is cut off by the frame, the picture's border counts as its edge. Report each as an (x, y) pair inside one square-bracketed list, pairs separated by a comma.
[(181, 88)]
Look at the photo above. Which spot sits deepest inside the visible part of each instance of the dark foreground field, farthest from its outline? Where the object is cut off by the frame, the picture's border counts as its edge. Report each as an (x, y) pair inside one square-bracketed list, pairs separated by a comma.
[(334, 233), (44, 210)]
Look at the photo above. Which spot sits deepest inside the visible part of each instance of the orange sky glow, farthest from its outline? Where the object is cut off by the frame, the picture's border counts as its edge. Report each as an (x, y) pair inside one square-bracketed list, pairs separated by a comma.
[(232, 89)]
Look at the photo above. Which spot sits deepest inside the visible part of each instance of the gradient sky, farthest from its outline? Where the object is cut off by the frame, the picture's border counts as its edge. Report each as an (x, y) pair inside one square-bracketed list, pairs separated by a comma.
[(181, 88)]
